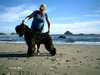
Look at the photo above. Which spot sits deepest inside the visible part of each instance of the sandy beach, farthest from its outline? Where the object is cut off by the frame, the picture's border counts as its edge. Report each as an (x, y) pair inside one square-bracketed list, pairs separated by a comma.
[(69, 60)]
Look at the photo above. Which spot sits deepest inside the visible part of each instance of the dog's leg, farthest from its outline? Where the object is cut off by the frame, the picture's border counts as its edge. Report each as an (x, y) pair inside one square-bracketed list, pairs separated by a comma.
[(49, 46), (31, 49)]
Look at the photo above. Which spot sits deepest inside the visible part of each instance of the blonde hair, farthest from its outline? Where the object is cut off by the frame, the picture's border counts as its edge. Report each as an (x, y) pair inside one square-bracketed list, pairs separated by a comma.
[(43, 6)]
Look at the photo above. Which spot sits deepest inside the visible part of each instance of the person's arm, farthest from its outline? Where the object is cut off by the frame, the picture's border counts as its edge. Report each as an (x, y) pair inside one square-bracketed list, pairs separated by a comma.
[(28, 17), (48, 22)]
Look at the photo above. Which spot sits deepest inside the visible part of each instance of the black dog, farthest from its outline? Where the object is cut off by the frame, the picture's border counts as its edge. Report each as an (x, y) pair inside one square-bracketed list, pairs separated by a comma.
[(33, 37)]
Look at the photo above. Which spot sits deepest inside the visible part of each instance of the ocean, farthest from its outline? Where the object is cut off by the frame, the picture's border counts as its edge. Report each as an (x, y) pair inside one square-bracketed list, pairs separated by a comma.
[(70, 39)]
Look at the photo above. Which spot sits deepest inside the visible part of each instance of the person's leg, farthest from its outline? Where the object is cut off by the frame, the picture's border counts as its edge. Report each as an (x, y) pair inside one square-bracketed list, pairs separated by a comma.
[(38, 47)]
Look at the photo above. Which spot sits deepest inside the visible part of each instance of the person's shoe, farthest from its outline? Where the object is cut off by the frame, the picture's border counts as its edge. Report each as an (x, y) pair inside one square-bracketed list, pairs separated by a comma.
[(38, 52)]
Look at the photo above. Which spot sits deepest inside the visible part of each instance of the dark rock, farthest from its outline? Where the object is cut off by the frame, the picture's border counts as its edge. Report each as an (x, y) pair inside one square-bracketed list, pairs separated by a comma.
[(13, 34), (62, 36), (67, 60), (98, 58), (92, 34), (68, 33), (81, 34), (2, 34)]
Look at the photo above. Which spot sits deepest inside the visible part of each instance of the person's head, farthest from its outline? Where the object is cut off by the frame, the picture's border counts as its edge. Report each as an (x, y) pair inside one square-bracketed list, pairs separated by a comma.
[(42, 8)]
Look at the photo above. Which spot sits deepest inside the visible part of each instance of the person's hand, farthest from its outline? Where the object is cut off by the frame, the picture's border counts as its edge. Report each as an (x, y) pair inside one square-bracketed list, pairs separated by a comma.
[(22, 21), (49, 31)]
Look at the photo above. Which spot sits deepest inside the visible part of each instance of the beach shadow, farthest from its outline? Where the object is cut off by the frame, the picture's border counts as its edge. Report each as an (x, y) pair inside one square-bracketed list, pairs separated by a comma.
[(41, 55), (7, 55), (20, 55)]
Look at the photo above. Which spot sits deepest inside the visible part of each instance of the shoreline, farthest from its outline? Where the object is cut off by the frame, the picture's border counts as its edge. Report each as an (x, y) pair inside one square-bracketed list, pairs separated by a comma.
[(76, 43), (71, 59)]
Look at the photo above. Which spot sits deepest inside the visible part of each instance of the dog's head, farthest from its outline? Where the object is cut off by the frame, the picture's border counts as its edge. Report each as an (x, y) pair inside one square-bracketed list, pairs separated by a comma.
[(20, 29)]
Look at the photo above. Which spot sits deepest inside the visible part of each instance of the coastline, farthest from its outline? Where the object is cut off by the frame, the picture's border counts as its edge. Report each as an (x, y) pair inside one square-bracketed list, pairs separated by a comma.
[(71, 59), (70, 39)]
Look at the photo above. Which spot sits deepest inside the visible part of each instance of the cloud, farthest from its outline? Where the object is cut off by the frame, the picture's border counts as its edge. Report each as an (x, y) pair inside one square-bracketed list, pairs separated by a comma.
[(97, 10), (78, 27), (12, 14), (92, 15), (96, 14), (16, 13), (63, 18), (50, 9)]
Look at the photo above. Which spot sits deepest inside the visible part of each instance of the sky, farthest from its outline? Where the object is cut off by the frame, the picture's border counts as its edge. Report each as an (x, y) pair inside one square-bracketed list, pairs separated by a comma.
[(76, 16)]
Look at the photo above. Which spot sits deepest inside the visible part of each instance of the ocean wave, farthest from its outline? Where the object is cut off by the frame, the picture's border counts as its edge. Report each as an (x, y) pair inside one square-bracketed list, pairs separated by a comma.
[(58, 42), (70, 39)]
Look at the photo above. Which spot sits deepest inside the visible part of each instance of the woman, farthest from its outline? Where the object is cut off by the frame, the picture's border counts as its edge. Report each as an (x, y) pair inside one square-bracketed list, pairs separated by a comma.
[(38, 21)]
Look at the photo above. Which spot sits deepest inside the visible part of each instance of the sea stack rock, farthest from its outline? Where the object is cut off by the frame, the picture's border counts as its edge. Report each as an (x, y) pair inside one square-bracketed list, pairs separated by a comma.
[(2, 34), (13, 34), (68, 33)]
